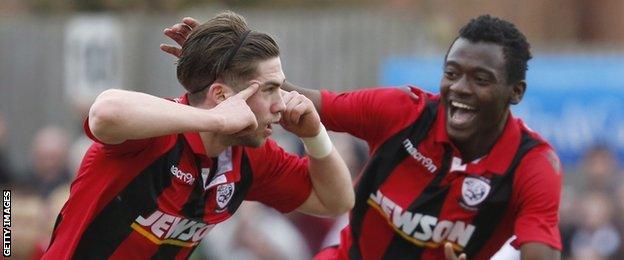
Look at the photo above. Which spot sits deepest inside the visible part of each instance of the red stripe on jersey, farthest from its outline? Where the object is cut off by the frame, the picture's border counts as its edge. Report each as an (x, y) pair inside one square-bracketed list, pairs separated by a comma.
[(382, 233), (184, 253)]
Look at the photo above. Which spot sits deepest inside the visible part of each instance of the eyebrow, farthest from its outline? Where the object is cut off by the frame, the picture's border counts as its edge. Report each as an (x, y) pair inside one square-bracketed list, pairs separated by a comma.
[(273, 83), (476, 69)]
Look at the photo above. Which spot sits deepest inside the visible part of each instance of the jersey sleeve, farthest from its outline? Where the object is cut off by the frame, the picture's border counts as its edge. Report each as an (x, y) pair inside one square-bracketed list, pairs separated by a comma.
[(128, 147), (537, 192), (281, 180), (371, 114)]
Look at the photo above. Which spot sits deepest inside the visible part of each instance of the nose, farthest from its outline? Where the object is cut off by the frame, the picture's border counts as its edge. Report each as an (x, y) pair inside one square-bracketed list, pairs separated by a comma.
[(461, 86), (278, 106)]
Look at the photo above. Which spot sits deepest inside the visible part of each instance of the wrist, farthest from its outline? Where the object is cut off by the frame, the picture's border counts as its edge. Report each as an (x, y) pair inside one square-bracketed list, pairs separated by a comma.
[(318, 146), (214, 122)]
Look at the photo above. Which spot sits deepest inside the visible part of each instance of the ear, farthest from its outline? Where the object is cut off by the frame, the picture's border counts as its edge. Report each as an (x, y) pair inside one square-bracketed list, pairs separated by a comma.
[(218, 92), (517, 92)]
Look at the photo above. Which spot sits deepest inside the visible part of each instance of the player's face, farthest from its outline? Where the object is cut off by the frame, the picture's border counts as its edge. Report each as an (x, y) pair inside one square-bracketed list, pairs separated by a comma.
[(267, 103), (474, 90)]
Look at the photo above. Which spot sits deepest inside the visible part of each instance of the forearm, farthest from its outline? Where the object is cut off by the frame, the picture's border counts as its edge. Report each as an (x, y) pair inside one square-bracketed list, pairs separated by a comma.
[(331, 182), (312, 94), (538, 251), (119, 115)]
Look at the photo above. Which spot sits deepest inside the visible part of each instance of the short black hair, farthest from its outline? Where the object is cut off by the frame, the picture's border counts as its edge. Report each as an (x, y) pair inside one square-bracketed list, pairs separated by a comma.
[(516, 48)]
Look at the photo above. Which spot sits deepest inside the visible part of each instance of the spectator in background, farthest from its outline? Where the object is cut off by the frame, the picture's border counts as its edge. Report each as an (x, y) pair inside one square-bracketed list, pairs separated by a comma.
[(48, 211), (597, 234), (6, 173), (598, 171), (27, 225), (594, 177), (256, 232), (49, 167)]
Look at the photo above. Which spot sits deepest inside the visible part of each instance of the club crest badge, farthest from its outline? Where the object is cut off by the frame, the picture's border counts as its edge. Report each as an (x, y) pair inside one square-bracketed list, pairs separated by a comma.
[(225, 192), (474, 191)]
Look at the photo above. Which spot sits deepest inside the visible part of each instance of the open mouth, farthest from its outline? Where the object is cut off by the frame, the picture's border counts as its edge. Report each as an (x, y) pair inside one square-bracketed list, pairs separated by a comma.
[(461, 115)]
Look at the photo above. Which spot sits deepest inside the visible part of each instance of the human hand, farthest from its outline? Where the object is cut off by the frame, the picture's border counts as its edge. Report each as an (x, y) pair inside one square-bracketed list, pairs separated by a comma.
[(299, 117), (237, 117), (450, 254), (409, 92), (179, 32)]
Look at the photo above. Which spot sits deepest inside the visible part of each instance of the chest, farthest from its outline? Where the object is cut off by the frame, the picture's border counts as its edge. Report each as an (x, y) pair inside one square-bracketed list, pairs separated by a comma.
[(207, 190)]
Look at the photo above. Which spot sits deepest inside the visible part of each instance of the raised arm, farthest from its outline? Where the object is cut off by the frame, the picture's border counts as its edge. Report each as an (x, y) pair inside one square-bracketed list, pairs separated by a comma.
[(332, 192), (538, 251), (120, 115)]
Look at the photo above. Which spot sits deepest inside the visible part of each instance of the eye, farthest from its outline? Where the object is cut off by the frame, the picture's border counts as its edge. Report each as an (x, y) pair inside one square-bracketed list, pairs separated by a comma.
[(271, 89), (482, 81), (449, 74)]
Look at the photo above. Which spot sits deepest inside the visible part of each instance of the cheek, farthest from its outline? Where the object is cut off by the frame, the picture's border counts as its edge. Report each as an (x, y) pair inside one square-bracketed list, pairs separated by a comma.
[(444, 86), (260, 108)]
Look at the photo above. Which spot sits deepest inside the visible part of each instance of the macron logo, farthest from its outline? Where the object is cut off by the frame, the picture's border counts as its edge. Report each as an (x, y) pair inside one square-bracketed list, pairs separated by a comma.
[(185, 177), (425, 161)]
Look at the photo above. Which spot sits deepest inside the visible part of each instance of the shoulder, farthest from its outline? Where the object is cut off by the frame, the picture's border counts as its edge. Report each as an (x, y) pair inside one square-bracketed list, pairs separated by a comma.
[(395, 94), (540, 168)]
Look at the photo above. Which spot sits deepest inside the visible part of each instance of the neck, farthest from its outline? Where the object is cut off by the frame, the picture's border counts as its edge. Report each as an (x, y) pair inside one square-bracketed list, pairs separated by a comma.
[(213, 144), (481, 144)]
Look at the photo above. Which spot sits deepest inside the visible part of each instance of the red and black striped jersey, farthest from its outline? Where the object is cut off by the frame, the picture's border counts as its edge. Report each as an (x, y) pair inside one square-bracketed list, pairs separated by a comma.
[(158, 197), (416, 193)]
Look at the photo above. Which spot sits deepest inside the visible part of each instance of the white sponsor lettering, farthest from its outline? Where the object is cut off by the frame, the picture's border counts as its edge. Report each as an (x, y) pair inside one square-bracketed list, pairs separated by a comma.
[(165, 226), (162, 224), (185, 177), (461, 233), (419, 157), (422, 227)]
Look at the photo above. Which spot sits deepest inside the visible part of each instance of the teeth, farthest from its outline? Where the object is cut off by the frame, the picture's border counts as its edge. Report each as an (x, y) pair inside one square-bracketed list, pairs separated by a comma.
[(461, 105)]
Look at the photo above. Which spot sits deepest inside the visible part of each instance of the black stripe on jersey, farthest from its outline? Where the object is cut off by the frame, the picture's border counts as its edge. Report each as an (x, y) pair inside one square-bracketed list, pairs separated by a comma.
[(193, 209), (111, 226), (428, 202), (382, 163), (242, 187), (491, 212)]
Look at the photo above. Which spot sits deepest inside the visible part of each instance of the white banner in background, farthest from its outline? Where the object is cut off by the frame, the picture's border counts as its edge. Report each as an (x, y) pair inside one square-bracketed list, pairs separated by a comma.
[(93, 56)]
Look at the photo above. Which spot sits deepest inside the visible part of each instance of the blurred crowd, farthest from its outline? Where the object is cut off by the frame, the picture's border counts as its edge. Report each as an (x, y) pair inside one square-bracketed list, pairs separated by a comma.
[(592, 205)]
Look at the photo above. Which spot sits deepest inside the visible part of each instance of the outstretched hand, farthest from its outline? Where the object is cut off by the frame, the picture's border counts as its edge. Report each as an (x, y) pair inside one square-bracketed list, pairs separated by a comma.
[(179, 32), (449, 253), (237, 116)]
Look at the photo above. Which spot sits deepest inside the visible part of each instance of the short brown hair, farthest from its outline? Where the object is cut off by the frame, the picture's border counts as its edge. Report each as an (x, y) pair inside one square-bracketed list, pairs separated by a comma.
[(223, 47)]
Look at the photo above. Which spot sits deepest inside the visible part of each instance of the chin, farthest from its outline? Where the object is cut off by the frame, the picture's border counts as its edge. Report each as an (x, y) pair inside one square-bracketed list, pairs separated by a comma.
[(457, 135)]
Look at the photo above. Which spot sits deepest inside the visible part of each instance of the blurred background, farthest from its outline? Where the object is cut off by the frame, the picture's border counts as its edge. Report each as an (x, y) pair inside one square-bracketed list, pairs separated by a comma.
[(57, 55)]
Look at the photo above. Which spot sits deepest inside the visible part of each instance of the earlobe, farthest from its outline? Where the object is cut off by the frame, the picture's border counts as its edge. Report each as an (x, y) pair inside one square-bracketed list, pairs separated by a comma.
[(517, 92)]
